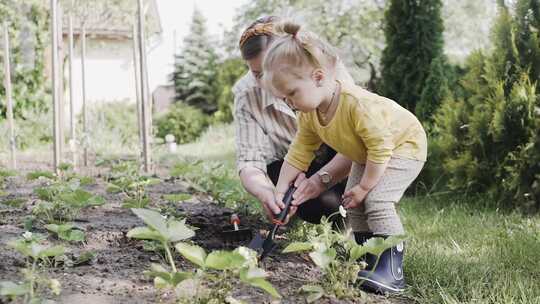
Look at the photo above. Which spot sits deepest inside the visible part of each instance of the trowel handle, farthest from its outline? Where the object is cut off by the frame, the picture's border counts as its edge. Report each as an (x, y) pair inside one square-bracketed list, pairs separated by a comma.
[(287, 200), (235, 220)]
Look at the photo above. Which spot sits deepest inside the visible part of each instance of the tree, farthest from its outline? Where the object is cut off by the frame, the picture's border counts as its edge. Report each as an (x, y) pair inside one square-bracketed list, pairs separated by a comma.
[(488, 138), (28, 26), (195, 72), (230, 70), (434, 91), (414, 38)]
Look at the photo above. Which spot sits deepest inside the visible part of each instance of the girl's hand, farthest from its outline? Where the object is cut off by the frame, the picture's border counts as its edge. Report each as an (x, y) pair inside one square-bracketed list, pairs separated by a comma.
[(307, 188), (354, 197)]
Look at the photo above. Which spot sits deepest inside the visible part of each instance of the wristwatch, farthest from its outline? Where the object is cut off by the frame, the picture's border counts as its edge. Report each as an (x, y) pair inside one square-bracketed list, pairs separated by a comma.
[(326, 178)]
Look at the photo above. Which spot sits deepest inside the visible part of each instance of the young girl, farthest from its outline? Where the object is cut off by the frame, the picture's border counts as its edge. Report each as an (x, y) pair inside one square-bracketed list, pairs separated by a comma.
[(386, 143)]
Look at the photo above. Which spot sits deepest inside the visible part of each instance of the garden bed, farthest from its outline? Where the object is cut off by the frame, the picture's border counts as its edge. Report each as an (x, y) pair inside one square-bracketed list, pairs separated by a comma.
[(115, 274)]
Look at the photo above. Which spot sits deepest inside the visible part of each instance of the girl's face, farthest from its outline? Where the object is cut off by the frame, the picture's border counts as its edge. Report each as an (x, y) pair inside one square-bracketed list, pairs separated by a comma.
[(304, 91)]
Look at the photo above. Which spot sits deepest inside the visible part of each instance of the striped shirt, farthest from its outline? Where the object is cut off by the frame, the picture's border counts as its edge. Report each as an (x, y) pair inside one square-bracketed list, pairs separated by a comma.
[(265, 125)]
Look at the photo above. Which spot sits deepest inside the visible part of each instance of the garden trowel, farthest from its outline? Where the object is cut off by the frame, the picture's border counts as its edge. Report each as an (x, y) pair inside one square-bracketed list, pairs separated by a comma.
[(264, 244), (237, 234)]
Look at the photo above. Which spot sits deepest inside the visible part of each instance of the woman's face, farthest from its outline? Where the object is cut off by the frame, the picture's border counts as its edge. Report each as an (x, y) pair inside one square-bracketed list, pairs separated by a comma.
[(255, 66)]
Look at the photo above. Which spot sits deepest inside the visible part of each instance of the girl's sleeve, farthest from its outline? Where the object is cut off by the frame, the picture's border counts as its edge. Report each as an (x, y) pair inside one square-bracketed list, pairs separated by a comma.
[(306, 141), (375, 133)]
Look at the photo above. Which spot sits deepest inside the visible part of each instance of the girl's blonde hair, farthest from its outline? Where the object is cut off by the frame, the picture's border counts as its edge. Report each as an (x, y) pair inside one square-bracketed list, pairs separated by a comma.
[(296, 49)]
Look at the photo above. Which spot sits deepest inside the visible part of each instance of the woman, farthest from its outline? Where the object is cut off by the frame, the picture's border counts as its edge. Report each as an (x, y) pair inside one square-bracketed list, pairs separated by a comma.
[(265, 127)]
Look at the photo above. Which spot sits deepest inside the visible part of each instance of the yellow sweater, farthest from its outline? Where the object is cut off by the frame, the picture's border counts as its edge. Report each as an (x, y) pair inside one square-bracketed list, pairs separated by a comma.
[(365, 126)]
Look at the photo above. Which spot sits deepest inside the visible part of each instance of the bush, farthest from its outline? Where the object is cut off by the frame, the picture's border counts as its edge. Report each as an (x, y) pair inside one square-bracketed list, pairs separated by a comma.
[(112, 126), (32, 129), (185, 122)]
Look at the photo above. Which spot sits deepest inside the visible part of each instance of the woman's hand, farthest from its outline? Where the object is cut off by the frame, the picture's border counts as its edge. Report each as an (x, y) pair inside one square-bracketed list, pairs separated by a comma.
[(307, 188), (270, 202), (354, 197)]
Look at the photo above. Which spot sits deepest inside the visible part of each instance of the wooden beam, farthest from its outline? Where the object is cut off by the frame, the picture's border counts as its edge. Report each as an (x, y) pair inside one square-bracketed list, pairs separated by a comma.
[(137, 85), (56, 129), (144, 90), (84, 110), (72, 136), (9, 99)]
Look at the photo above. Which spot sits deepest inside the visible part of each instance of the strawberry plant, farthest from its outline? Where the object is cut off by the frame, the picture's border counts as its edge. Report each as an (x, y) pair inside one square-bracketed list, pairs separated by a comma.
[(161, 230), (218, 181), (4, 174), (62, 201), (336, 254), (66, 232), (33, 282), (125, 178), (212, 282)]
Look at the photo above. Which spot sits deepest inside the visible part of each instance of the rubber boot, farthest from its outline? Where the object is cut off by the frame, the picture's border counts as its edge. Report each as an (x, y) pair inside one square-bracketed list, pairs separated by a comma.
[(387, 277)]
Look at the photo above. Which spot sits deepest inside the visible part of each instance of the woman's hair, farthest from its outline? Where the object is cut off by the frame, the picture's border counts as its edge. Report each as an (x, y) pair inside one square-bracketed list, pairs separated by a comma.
[(296, 49), (257, 37)]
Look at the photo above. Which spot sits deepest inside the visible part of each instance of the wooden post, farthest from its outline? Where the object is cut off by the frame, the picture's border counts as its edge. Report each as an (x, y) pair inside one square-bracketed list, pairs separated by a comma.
[(137, 85), (61, 98), (144, 90), (72, 140), (84, 114), (9, 100), (56, 135)]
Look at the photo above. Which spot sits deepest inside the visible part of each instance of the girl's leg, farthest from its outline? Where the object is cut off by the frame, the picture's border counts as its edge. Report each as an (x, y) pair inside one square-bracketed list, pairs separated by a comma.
[(384, 274), (380, 203)]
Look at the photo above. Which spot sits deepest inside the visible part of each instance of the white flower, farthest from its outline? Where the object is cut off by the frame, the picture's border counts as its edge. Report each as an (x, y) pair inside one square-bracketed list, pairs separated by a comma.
[(27, 235), (342, 211)]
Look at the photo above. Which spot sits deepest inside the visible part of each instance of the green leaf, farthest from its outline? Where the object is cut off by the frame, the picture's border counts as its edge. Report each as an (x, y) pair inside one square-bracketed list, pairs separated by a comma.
[(153, 219), (145, 233), (8, 288), (265, 285), (193, 253), (254, 273), (37, 174), (112, 188), (160, 283), (51, 251), (222, 260), (377, 246), (157, 270), (180, 276), (178, 231), (15, 202), (323, 258), (356, 252), (314, 292), (84, 258), (298, 246), (74, 236), (59, 228)]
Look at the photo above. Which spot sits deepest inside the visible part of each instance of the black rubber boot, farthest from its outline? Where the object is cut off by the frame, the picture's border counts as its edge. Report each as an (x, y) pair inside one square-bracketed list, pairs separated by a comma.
[(387, 277)]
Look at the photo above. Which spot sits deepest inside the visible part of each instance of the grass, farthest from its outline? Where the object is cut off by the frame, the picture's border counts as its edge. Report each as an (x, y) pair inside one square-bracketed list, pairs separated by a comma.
[(457, 252)]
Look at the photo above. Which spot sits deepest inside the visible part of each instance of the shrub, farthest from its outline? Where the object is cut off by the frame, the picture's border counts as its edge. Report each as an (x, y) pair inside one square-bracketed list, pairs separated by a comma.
[(185, 122)]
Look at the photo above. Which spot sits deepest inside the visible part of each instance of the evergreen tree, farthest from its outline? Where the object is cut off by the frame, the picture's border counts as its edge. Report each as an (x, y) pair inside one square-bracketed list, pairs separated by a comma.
[(488, 138), (526, 28), (195, 70), (414, 38), (434, 91), (229, 71)]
